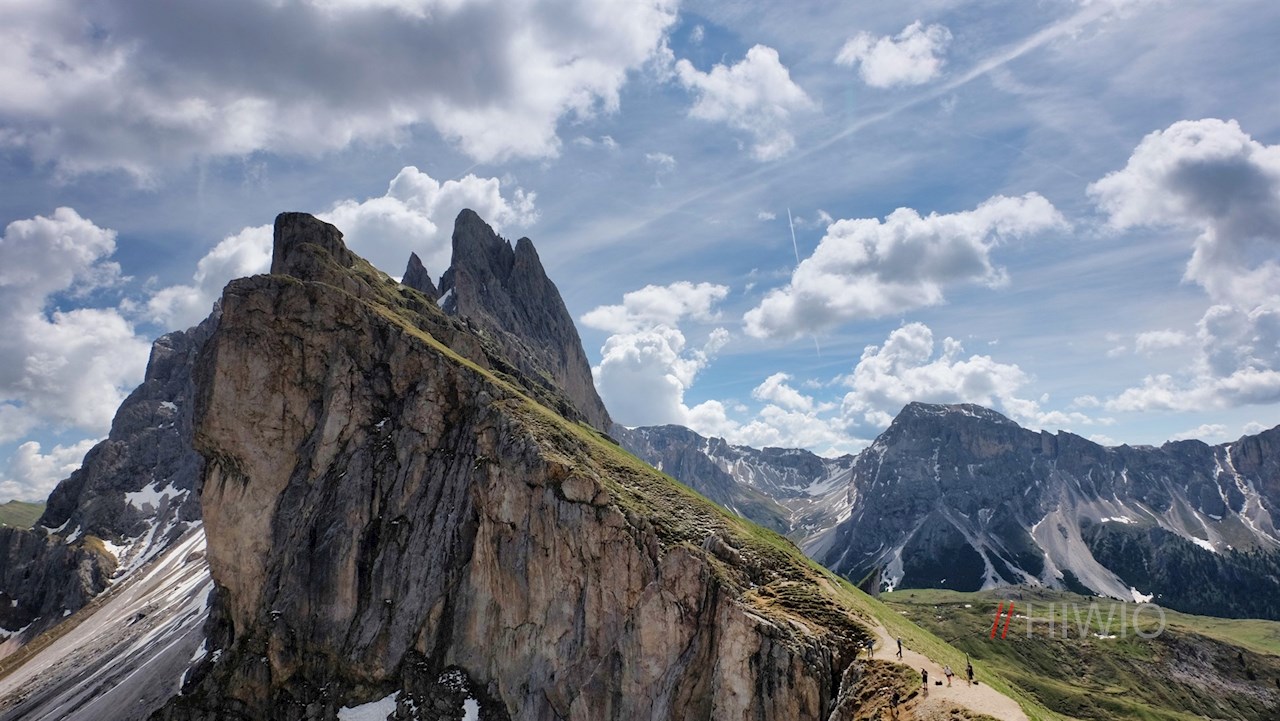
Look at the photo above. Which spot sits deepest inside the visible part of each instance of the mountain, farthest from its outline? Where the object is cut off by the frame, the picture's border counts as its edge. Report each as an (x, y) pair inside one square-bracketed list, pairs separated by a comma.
[(788, 490), (134, 496), (505, 295), (961, 497), (389, 518)]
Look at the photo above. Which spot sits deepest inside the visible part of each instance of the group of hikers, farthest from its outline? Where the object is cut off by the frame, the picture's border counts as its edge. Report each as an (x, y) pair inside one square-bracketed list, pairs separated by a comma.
[(896, 697)]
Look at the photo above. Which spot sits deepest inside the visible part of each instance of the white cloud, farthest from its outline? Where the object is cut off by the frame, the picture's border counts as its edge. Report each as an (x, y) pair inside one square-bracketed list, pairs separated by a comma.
[(914, 57), (182, 306), (31, 475), (1253, 428), (775, 390), (658, 305), (643, 375), (783, 427), (1158, 340), (867, 268), (64, 368), (646, 364), (120, 85), (1203, 432), (755, 96), (905, 369), (1210, 177), (415, 215), (764, 216)]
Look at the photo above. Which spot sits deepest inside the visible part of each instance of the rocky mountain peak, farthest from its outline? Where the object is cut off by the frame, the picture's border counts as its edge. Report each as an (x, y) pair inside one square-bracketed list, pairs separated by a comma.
[(917, 410), (294, 232), (506, 294), (417, 277)]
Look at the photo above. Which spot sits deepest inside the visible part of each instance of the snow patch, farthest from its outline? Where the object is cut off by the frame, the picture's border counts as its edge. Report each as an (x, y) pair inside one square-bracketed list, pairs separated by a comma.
[(148, 496), (1118, 519), (114, 550), (470, 710), (373, 711), (169, 405), (1203, 544), (1139, 597)]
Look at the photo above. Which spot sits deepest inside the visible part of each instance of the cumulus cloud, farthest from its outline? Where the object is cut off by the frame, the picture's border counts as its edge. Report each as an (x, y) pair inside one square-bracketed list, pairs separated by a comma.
[(658, 305), (1253, 428), (775, 390), (415, 215), (867, 268), (905, 369), (756, 96), (647, 363), (141, 86), (69, 369), (913, 57), (31, 475), (1211, 178)]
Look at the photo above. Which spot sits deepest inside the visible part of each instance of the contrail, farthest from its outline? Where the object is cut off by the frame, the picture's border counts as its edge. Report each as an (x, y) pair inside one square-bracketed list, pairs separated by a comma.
[(795, 247)]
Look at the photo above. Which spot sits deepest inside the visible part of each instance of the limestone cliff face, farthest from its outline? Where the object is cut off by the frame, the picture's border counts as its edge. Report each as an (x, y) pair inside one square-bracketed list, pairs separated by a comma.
[(507, 295), (385, 515)]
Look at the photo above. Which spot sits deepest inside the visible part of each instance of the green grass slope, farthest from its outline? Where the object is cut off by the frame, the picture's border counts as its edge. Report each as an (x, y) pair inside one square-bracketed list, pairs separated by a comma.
[(20, 514), (1074, 655)]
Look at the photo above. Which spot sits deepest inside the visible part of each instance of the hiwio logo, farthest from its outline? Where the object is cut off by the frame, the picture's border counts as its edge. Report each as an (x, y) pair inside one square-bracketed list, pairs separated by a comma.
[(1075, 620)]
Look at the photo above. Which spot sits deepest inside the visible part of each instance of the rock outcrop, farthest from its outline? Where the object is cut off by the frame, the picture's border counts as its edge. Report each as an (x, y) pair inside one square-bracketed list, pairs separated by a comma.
[(507, 296), (388, 518), (417, 277)]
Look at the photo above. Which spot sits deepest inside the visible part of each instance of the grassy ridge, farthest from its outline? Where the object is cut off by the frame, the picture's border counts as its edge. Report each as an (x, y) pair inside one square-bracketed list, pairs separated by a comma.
[(20, 514)]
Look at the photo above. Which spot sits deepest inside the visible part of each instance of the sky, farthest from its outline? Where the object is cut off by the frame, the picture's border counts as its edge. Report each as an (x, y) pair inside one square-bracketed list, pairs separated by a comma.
[(774, 222)]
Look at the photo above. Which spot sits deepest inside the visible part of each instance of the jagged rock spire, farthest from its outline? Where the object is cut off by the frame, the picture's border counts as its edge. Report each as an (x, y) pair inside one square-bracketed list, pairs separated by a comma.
[(417, 277), (507, 293)]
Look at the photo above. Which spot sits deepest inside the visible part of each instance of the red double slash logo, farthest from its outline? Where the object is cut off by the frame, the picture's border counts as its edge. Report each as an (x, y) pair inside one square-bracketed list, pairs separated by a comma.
[(995, 623)]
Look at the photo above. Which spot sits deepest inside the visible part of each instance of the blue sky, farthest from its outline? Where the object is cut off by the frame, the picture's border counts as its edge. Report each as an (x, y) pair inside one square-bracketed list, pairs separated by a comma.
[(1066, 210)]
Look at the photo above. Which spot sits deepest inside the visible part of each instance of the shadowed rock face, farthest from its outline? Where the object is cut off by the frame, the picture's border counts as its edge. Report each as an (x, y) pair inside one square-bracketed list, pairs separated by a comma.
[(383, 515), (417, 277), (507, 295)]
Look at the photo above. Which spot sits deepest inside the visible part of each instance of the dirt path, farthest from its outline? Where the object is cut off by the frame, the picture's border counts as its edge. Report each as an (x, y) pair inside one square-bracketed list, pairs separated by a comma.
[(980, 698)]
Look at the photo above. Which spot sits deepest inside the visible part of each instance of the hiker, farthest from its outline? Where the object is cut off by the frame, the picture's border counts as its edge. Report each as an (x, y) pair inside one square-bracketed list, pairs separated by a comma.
[(949, 673), (871, 646), (899, 648), (968, 669), (924, 680)]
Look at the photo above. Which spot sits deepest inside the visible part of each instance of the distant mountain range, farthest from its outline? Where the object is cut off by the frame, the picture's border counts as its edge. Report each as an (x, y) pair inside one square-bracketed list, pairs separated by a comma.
[(961, 497)]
